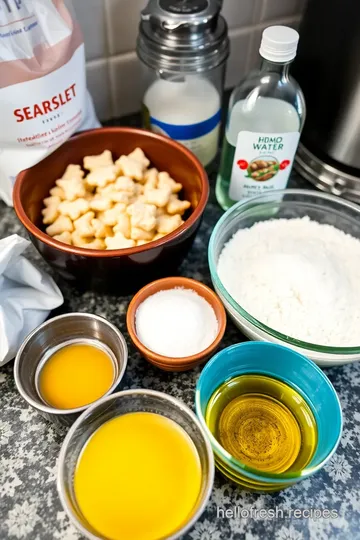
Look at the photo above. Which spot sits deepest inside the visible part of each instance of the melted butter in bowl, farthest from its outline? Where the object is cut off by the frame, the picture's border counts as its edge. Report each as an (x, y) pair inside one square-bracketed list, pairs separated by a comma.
[(138, 477), (75, 375)]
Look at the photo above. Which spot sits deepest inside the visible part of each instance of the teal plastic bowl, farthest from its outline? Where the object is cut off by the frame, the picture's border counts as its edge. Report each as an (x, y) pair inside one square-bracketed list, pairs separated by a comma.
[(291, 368)]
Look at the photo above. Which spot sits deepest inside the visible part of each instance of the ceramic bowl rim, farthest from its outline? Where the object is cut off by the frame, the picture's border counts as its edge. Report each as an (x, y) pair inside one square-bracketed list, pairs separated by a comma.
[(47, 408), (166, 397), (98, 253), (254, 474), (168, 361), (285, 339)]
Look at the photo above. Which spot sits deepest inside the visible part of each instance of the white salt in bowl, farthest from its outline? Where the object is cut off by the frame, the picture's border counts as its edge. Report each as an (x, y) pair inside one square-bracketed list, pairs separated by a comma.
[(168, 363), (284, 204)]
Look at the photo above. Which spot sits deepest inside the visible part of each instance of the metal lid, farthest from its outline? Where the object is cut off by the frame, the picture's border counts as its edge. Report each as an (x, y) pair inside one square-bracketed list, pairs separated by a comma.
[(182, 35)]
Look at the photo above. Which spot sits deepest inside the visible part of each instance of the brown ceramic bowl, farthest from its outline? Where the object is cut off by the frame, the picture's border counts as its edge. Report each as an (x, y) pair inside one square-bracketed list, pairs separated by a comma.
[(124, 270), (165, 362)]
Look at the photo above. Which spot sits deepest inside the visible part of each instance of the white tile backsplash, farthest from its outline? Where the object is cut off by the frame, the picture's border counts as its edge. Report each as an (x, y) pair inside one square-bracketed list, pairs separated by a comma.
[(98, 82), (110, 29), (239, 53), (241, 13), (123, 18), (254, 59), (91, 15), (275, 9), (126, 78)]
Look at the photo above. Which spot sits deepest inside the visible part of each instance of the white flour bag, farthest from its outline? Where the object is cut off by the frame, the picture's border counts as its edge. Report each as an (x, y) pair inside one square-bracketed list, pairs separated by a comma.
[(43, 96)]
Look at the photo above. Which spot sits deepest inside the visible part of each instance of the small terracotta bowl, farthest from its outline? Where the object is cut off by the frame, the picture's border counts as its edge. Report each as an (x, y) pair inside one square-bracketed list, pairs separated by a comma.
[(164, 362)]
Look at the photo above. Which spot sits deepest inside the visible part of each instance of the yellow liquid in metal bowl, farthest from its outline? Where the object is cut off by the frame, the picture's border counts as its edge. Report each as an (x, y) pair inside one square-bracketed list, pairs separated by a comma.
[(75, 375), (263, 423), (138, 477)]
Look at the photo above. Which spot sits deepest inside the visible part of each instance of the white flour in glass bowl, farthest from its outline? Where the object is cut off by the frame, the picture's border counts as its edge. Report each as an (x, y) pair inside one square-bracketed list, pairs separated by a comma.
[(297, 276)]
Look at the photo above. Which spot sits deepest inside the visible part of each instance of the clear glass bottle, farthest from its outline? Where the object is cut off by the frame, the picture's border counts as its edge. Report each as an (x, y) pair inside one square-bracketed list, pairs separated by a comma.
[(265, 119)]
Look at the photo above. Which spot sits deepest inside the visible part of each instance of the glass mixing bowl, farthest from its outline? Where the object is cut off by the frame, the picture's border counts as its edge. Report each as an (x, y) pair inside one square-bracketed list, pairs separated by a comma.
[(285, 204)]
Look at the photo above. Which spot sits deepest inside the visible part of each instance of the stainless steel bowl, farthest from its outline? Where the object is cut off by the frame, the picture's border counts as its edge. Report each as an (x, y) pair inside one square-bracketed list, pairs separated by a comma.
[(49, 337), (116, 405)]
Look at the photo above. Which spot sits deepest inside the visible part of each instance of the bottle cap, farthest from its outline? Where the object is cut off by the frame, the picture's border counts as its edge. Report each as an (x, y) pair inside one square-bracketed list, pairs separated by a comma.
[(279, 43)]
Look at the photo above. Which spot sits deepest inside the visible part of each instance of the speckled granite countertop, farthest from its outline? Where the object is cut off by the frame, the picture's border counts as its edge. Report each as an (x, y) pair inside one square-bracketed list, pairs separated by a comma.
[(29, 505)]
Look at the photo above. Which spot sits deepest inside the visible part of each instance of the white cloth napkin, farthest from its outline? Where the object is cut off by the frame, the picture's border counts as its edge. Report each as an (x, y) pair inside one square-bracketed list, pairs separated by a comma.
[(27, 295)]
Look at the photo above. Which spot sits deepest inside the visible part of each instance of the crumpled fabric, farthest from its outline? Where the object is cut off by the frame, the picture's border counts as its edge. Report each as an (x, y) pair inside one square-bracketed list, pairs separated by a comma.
[(27, 295)]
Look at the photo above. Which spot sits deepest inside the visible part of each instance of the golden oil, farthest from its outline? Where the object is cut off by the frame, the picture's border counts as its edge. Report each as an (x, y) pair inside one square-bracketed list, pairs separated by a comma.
[(264, 423)]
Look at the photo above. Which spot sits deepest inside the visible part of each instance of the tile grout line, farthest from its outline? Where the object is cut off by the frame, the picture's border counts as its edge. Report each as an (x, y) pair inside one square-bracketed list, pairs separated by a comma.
[(112, 88), (128, 55), (107, 20), (263, 9), (258, 26), (256, 15), (111, 105), (250, 49)]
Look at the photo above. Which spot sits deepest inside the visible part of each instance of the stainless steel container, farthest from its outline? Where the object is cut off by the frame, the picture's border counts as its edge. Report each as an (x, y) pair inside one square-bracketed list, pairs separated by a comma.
[(326, 68), (49, 337), (117, 405), (183, 45), (185, 36)]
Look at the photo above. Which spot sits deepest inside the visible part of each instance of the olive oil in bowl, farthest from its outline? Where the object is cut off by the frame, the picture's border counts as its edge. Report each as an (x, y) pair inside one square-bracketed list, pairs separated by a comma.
[(263, 423)]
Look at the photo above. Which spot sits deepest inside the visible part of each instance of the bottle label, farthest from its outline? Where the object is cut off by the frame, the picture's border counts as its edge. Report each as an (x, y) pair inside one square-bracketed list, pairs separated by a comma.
[(262, 162), (201, 138)]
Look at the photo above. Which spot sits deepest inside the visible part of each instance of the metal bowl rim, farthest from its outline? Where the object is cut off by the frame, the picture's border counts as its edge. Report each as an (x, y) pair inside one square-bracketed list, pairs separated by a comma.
[(166, 397), (51, 410)]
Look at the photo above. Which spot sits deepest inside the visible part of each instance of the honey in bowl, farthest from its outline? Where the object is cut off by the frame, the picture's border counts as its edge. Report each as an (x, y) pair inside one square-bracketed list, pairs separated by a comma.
[(264, 423), (75, 375), (138, 477)]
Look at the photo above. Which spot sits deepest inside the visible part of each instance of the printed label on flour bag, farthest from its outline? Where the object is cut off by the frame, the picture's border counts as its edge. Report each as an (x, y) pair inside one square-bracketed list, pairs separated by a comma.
[(43, 97), (262, 162)]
